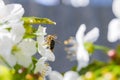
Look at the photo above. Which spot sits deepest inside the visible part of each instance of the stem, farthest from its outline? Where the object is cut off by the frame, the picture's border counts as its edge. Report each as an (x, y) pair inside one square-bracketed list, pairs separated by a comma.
[(5, 61), (103, 48)]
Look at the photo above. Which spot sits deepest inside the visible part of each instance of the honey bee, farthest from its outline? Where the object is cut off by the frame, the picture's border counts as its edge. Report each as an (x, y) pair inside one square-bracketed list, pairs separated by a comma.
[(50, 41)]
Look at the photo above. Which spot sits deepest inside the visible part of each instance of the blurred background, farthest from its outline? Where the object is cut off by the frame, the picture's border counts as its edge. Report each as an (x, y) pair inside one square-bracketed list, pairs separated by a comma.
[(69, 14)]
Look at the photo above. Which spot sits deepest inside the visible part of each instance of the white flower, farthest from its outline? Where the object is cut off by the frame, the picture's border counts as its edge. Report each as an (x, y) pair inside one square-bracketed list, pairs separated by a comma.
[(8, 39), (5, 49), (55, 75), (116, 8), (79, 3), (82, 53), (24, 52), (42, 67), (17, 32), (69, 75), (10, 12), (114, 30), (42, 48)]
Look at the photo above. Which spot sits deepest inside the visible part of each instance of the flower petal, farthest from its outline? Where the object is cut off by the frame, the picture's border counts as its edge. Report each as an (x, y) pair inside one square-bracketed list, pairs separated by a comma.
[(6, 47), (41, 31), (28, 47), (23, 60), (92, 35), (46, 53), (71, 75), (2, 3), (80, 33), (113, 30), (17, 31), (42, 67), (116, 8), (16, 11), (54, 75), (82, 57)]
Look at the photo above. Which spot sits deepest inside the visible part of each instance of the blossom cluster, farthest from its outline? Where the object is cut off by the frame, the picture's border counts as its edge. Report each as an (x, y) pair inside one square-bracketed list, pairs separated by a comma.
[(82, 47), (20, 42)]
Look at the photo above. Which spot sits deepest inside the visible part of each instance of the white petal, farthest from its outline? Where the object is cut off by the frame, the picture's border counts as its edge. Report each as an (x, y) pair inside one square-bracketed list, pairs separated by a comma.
[(82, 57), (92, 35), (27, 50), (46, 53), (16, 11), (42, 67), (54, 75), (41, 40), (41, 30), (6, 47), (2, 3), (11, 60), (4, 12), (17, 31), (23, 60), (79, 3), (71, 75), (80, 33), (116, 8), (28, 47), (114, 30)]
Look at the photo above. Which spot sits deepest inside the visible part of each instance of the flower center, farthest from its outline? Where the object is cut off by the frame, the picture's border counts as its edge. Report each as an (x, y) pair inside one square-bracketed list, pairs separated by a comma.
[(89, 47), (15, 49)]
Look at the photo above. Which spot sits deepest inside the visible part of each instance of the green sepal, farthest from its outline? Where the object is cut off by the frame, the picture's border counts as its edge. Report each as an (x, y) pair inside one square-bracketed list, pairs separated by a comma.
[(34, 60), (36, 20)]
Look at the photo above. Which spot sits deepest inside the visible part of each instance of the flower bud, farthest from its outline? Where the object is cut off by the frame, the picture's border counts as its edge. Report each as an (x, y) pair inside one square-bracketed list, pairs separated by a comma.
[(112, 54)]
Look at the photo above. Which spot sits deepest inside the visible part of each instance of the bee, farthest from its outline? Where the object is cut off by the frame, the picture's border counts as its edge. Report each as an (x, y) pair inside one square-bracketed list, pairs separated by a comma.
[(50, 41)]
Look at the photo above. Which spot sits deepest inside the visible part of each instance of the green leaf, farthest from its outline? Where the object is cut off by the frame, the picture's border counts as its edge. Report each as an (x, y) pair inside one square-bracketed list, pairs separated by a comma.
[(36, 20)]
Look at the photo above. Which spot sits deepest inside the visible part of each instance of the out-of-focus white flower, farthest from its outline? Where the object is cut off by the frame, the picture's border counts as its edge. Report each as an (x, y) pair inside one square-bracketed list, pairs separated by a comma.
[(116, 8), (78, 48), (48, 2), (114, 30), (24, 52), (42, 48), (69, 75), (82, 53), (55, 75), (10, 12), (42, 67), (79, 3)]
